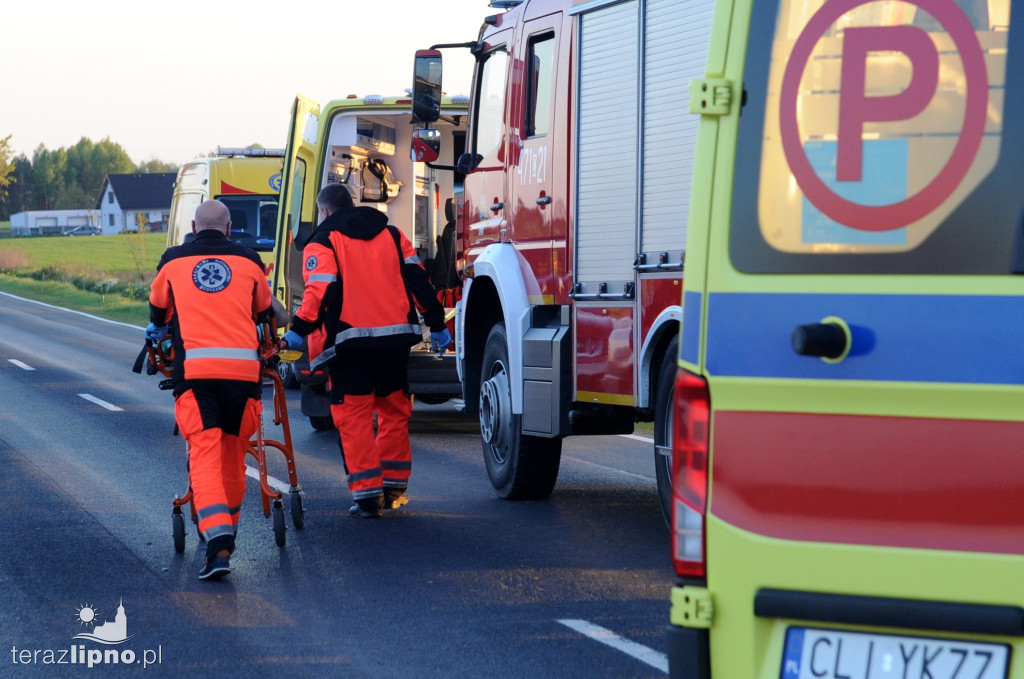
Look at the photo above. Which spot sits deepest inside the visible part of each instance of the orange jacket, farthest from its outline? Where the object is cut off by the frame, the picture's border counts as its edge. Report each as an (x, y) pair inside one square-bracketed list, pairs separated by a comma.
[(361, 276), (211, 291)]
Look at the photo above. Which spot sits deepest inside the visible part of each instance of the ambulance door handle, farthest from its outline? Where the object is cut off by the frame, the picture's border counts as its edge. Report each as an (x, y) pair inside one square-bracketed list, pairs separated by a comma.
[(496, 206), (824, 340), (544, 200)]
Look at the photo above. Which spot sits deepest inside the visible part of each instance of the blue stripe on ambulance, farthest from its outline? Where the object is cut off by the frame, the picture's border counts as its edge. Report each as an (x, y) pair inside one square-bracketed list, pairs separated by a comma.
[(691, 326), (971, 339)]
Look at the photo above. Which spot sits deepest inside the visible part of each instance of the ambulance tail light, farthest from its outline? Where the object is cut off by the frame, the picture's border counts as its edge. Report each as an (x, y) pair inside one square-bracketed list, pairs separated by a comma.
[(690, 419)]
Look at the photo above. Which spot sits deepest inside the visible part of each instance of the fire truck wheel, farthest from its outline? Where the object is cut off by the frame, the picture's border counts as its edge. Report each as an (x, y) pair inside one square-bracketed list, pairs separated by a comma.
[(663, 428), (520, 467)]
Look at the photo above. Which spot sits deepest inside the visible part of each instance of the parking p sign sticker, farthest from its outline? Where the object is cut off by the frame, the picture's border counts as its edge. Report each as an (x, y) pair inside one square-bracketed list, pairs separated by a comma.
[(884, 116)]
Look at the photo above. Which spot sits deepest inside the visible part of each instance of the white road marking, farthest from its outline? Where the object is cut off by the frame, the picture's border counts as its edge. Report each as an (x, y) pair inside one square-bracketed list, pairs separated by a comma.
[(80, 313), (21, 365), (276, 484), (637, 437), (610, 469), (658, 661), (101, 402)]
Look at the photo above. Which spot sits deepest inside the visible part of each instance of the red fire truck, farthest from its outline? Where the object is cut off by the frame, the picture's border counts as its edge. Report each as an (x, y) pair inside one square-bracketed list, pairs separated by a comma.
[(573, 223)]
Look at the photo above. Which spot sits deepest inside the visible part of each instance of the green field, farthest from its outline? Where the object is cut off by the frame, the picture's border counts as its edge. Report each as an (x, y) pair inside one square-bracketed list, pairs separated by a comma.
[(110, 306), (124, 256), (108, 276)]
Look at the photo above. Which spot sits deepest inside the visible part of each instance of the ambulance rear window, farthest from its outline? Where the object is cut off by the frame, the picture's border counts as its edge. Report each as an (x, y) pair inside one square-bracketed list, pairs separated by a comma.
[(872, 139)]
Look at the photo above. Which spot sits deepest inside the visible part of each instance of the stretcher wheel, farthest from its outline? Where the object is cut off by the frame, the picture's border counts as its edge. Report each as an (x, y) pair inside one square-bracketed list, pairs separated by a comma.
[(179, 530), (295, 502), (279, 527)]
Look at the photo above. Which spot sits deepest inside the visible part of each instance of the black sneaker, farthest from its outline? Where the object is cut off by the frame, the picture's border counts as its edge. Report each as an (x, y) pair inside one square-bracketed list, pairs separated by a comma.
[(393, 499), (366, 509), (215, 568)]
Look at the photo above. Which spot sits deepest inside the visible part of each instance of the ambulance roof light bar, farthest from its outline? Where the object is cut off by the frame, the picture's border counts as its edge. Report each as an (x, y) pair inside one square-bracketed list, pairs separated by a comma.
[(505, 4), (249, 152)]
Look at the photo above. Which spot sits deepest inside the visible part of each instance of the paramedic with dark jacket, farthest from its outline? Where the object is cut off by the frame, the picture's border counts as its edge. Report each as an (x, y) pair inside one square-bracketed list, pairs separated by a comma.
[(211, 291), (361, 275)]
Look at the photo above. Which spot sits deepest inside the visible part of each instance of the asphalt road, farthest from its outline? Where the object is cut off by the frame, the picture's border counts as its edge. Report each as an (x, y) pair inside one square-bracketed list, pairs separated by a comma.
[(456, 584)]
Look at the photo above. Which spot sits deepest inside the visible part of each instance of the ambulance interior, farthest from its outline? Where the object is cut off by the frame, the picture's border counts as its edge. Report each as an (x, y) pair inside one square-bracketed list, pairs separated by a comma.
[(370, 155)]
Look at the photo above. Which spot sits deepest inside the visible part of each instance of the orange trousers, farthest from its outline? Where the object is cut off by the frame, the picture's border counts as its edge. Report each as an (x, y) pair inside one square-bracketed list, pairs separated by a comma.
[(216, 460), (375, 463)]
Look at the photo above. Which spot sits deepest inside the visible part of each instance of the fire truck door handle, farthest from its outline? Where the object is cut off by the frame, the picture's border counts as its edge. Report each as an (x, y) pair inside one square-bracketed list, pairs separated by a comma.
[(497, 206), (544, 200)]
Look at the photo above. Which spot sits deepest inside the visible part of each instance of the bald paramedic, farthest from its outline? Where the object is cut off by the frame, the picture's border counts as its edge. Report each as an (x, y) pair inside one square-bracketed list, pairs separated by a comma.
[(211, 293)]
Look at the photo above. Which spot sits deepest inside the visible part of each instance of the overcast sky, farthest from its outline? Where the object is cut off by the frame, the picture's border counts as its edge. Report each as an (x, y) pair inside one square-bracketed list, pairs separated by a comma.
[(173, 80)]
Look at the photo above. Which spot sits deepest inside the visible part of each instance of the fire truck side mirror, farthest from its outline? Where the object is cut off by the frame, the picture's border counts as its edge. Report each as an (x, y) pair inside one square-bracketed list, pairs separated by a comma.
[(468, 162), (426, 145), (426, 87)]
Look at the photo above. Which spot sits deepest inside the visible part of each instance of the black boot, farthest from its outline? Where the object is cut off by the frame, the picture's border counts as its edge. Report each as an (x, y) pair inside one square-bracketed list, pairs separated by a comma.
[(367, 508)]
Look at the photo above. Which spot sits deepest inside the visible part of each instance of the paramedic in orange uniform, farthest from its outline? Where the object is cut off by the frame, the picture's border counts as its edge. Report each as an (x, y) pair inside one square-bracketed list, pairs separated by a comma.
[(211, 292), (361, 276)]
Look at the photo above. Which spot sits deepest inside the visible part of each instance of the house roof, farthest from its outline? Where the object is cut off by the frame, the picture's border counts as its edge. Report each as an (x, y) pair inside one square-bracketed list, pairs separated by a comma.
[(134, 191)]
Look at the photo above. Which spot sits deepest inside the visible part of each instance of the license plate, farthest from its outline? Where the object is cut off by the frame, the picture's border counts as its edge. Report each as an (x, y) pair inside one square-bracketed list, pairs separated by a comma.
[(828, 654)]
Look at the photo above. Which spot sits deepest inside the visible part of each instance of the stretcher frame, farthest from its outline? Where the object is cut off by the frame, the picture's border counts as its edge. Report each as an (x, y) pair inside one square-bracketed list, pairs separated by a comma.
[(161, 357)]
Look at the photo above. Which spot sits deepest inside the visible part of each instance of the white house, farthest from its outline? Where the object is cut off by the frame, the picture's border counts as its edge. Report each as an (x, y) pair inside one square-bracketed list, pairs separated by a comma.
[(128, 202), (48, 222)]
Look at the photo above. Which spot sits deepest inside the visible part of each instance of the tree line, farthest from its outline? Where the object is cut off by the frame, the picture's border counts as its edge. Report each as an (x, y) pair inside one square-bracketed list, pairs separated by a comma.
[(64, 179)]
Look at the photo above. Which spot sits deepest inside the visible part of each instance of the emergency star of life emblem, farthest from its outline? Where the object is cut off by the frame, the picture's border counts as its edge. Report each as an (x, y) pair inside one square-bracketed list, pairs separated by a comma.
[(311, 263), (211, 275)]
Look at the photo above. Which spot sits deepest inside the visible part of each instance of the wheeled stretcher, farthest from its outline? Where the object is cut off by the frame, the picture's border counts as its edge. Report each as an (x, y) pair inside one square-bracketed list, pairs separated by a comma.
[(161, 357)]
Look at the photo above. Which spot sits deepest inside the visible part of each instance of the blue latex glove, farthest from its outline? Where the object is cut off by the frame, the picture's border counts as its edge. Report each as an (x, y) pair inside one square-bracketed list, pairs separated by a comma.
[(440, 340), (156, 332), (291, 340)]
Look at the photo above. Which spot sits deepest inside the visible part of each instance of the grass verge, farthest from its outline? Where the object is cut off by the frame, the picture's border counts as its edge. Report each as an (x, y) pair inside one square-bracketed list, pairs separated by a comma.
[(111, 306)]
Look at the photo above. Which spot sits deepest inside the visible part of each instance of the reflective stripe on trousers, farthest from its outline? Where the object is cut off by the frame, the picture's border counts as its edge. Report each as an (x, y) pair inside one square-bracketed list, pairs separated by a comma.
[(375, 463), (216, 465)]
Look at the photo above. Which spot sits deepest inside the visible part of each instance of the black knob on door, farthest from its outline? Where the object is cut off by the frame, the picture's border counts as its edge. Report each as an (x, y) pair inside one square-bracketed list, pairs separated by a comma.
[(824, 340)]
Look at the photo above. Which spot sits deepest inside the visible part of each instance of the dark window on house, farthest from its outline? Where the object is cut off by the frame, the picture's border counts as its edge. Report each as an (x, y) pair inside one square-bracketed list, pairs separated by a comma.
[(111, 218), (110, 197)]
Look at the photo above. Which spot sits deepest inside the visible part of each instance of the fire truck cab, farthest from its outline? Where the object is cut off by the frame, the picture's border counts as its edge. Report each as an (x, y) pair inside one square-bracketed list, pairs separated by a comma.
[(573, 226), (849, 496)]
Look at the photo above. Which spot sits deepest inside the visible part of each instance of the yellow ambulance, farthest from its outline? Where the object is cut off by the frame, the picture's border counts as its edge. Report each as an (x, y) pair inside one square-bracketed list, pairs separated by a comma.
[(848, 424), (247, 180)]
